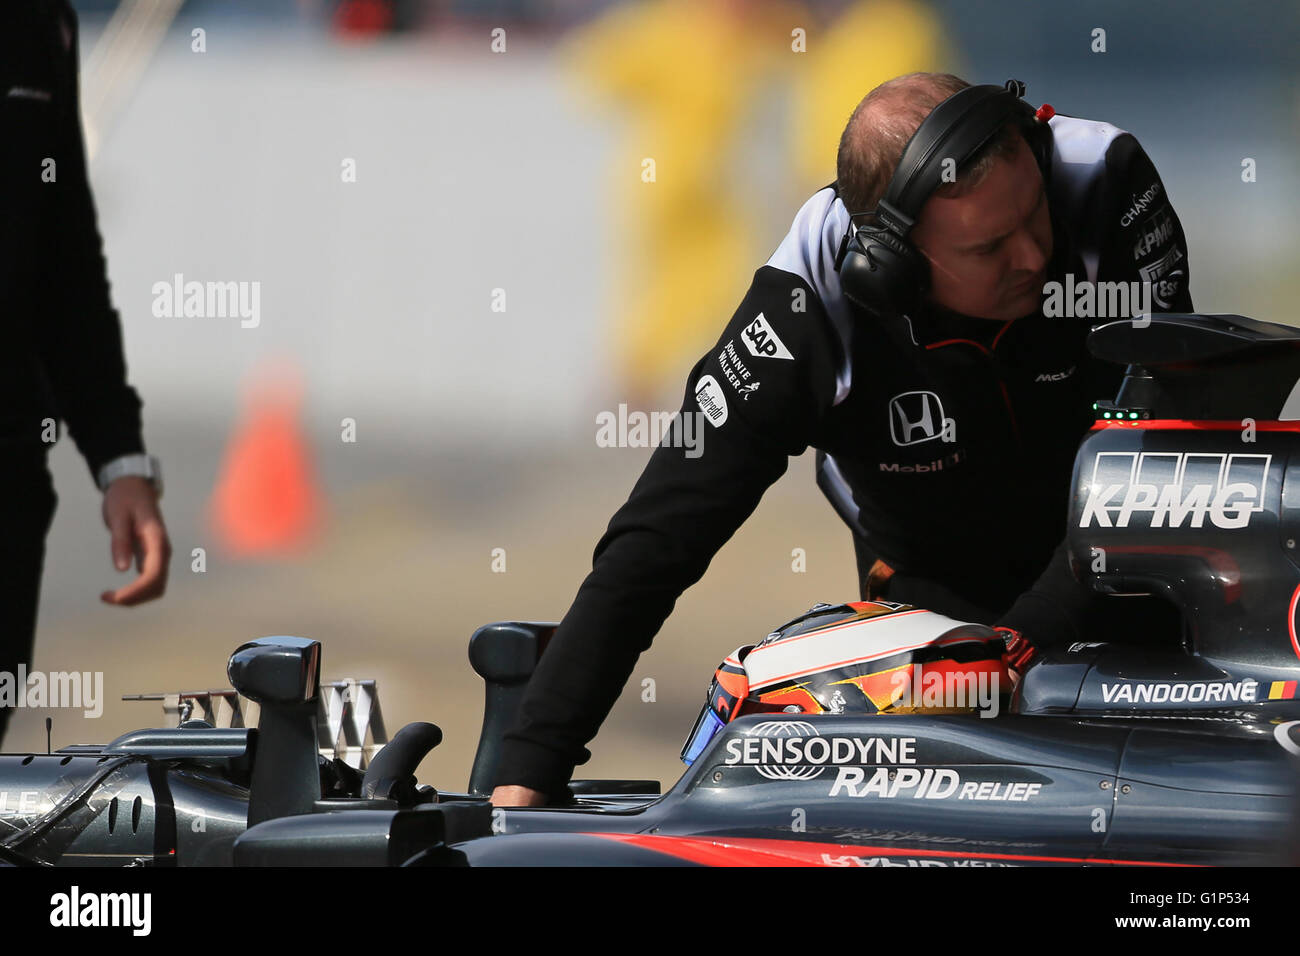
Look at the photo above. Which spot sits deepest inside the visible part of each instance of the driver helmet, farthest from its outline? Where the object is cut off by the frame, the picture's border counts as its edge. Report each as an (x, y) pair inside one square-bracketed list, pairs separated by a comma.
[(866, 657)]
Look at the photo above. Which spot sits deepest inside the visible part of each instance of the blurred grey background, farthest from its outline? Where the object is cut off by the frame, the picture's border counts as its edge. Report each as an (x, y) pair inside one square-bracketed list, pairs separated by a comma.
[(520, 171)]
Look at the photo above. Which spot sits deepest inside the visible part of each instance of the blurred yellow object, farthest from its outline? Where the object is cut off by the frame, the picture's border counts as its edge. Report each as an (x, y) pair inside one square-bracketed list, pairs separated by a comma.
[(684, 74), (871, 42)]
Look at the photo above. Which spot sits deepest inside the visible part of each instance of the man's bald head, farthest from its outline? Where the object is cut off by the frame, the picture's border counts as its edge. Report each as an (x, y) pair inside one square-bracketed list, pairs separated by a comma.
[(878, 131)]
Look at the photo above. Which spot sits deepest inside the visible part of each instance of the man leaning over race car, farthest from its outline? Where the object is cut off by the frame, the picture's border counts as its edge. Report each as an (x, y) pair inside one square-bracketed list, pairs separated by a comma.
[(970, 527)]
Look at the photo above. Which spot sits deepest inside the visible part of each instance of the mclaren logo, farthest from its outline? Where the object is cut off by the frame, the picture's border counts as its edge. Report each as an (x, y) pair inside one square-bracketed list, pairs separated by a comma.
[(915, 417), (1174, 490), (1055, 376)]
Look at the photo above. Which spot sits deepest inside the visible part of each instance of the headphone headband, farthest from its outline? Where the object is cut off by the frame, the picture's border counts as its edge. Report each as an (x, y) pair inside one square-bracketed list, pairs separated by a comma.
[(956, 129)]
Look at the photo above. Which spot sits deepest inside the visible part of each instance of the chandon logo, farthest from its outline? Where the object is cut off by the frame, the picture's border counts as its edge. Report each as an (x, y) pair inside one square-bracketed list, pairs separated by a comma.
[(1140, 204), (1174, 489)]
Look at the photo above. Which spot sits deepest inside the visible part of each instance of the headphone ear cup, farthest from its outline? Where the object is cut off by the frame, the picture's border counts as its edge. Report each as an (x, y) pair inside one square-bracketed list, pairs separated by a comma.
[(882, 272)]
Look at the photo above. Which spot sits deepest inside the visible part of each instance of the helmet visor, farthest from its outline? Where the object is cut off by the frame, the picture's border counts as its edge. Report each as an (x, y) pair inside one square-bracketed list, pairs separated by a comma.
[(706, 728)]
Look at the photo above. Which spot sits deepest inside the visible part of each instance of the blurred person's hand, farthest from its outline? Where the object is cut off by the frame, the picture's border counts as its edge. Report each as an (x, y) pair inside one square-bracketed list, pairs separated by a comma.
[(136, 526), (517, 797)]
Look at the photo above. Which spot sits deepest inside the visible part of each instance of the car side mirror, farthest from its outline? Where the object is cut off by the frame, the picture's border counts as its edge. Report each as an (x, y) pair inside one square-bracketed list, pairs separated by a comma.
[(276, 671), (282, 674)]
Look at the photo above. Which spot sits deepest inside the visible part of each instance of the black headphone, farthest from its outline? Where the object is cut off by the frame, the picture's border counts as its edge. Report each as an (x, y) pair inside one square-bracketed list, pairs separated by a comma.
[(879, 268)]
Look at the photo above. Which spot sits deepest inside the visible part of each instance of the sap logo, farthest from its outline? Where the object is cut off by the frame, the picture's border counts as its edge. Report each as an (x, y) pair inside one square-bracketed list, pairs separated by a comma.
[(1055, 376), (1175, 489), (917, 416), (762, 342), (708, 395)]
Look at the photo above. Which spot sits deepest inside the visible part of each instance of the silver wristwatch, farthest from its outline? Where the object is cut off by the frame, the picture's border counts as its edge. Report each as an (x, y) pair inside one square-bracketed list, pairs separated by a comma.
[(145, 466)]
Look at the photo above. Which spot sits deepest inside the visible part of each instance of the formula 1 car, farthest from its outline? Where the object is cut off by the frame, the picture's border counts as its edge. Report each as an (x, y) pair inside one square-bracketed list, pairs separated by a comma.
[(818, 745)]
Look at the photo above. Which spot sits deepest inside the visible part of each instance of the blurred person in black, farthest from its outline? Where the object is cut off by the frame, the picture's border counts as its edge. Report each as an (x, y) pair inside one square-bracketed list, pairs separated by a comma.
[(952, 408), (63, 354)]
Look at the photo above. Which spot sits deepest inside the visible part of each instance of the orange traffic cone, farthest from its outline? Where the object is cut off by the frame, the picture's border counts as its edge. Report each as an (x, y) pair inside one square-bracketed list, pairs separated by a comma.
[(266, 501)]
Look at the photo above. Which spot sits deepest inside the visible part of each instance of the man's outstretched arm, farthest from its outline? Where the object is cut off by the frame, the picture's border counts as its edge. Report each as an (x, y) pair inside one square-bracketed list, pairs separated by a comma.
[(684, 507)]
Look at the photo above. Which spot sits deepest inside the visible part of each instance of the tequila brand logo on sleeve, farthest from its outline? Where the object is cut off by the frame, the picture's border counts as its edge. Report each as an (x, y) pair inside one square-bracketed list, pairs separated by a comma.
[(708, 395)]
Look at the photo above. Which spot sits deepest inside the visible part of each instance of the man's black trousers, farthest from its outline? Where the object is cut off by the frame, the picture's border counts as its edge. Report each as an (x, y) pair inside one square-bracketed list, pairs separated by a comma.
[(28, 493)]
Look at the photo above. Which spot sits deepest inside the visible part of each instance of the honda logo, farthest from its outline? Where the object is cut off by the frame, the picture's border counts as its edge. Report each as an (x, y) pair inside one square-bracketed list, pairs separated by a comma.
[(915, 417)]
